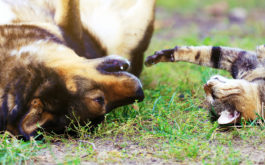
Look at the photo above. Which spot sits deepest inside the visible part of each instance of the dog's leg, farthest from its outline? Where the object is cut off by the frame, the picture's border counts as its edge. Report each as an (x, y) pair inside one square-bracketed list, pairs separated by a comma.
[(138, 23), (67, 16), (137, 54), (243, 95)]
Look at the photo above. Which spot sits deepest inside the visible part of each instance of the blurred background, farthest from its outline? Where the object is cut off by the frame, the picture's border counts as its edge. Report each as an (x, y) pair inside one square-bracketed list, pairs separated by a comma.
[(234, 22)]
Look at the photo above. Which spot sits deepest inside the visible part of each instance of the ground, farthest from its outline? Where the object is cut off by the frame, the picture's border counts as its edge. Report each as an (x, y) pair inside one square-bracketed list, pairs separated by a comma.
[(171, 126)]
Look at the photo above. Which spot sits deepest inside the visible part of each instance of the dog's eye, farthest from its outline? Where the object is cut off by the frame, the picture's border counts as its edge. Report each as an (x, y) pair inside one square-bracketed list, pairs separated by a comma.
[(100, 100)]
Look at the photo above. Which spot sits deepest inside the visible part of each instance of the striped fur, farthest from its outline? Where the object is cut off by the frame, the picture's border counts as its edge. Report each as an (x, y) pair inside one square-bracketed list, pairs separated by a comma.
[(43, 82), (244, 93)]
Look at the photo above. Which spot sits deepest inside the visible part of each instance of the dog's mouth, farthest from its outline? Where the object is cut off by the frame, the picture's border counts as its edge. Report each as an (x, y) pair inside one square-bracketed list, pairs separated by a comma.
[(139, 96), (228, 117)]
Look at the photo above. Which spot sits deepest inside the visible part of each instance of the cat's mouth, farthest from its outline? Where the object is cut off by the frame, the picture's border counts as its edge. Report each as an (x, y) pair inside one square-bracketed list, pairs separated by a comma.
[(228, 117)]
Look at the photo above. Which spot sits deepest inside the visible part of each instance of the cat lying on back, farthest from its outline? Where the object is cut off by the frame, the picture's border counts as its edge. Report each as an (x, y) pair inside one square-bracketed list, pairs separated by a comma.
[(232, 99)]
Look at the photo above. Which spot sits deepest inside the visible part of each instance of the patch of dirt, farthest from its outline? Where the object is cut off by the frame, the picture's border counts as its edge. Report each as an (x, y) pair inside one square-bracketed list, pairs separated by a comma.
[(255, 153), (124, 151), (120, 151)]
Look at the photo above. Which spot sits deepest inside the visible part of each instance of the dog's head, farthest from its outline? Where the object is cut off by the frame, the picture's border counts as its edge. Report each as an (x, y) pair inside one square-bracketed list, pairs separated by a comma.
[(80, 90), (105, 85)]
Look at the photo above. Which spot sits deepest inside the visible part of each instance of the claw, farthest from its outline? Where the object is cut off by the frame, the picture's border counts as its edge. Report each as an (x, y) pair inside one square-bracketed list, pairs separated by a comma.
[(166, 55)]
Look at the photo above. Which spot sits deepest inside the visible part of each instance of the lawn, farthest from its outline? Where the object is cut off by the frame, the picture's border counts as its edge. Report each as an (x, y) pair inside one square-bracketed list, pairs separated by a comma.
[(171, 125)]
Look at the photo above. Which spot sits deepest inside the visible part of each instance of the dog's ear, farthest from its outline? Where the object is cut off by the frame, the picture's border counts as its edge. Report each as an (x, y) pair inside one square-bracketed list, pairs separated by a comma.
[(67, 16), (35, 118)]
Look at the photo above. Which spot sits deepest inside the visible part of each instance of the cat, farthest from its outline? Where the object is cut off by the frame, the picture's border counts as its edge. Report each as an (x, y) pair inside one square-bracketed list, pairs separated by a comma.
[(231, 99)]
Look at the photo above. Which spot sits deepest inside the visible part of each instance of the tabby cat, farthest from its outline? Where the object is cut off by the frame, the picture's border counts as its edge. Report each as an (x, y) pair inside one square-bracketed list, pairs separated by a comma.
[(243, 96)]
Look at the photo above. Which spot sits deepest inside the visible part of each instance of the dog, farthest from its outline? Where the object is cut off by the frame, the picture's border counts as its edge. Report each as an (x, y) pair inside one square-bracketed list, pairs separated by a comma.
[(91, 28), (231, 99), (56, 68), (42, 82)]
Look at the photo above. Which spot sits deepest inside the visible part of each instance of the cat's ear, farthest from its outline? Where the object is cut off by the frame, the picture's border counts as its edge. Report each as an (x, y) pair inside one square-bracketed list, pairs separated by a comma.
[(260, 50)]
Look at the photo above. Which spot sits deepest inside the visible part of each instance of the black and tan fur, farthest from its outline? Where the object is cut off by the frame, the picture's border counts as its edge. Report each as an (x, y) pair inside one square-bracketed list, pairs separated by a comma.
[(42, 81), (91, 28), (243, 94), (42, 78)]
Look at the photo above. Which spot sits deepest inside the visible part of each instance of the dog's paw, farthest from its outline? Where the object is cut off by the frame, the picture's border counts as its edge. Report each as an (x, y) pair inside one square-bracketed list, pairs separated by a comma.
[(166, 55)]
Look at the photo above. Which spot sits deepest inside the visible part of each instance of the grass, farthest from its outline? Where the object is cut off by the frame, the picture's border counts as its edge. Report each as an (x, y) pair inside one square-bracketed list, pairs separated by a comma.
[(171, 125)]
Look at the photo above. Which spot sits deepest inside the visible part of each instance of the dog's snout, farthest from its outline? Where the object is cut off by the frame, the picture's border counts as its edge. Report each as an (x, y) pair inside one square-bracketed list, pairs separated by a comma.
[(140, 94)]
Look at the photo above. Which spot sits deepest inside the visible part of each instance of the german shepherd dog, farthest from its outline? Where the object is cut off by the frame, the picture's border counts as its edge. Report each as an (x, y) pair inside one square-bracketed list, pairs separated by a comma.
[(45, 81), (231, 99)]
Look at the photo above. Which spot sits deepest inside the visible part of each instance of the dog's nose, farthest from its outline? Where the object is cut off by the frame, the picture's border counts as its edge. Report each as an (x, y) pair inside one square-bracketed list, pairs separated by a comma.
[(113, 64), (140, 94)]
